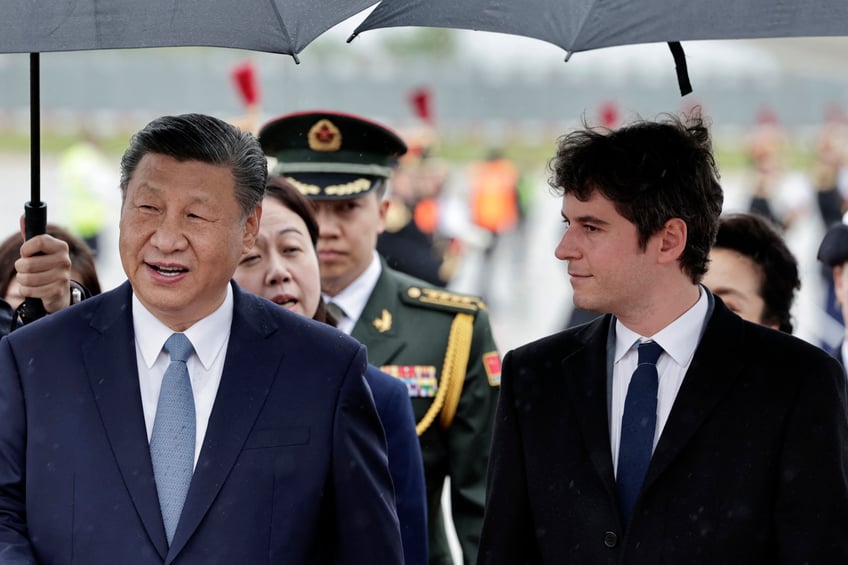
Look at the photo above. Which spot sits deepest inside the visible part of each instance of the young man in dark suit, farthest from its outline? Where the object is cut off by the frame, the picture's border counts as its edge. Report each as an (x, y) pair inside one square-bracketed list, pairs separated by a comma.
[(250, 437), (727, 444)]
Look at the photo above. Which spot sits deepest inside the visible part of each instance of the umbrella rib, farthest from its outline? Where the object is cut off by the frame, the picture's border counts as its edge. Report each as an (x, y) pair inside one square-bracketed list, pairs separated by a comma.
[(284, 29), (576, 40)]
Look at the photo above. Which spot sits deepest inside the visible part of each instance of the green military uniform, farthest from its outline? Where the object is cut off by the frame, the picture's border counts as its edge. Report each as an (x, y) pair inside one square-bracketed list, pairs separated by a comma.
[(439, 343), (413, 331)]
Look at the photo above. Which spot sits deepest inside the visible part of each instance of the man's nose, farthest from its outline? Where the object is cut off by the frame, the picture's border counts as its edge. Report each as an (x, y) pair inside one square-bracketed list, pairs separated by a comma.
[(566, 249), (327, 222), (169, 235)]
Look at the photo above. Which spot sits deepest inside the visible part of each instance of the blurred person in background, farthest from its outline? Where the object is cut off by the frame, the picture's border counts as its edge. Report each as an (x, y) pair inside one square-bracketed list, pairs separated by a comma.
[(752, 271), (438, 343), (283, 267), (830, 178), (86, 180), (833, 253), (495, 206), (413, 241), (778, 193)]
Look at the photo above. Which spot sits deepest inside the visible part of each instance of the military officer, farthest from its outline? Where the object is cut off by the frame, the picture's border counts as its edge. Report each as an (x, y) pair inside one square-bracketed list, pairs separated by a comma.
[(437, 342)]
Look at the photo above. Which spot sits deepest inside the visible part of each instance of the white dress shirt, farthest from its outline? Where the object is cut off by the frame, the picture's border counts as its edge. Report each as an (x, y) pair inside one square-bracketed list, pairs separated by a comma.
[(354, 298), (209, 337), (679, 340)]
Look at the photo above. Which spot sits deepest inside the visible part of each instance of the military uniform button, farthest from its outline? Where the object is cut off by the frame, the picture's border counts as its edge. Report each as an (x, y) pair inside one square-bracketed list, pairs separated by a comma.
[(610, 539)]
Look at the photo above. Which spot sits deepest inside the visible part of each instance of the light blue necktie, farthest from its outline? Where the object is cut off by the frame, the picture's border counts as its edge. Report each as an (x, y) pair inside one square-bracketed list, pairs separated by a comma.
[(637, 427), (172, 441)]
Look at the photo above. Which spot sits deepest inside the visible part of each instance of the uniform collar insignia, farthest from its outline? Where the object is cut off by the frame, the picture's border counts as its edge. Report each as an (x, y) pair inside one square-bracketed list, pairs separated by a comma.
[(384, 322)]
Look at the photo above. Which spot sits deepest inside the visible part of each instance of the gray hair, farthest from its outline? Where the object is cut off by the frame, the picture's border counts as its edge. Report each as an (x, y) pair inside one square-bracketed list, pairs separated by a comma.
[(197, 137)]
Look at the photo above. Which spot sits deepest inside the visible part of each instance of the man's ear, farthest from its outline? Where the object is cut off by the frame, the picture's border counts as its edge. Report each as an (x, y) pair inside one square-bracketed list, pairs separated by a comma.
[(251, 229), (672, 240), (838, 273), (383, 210)]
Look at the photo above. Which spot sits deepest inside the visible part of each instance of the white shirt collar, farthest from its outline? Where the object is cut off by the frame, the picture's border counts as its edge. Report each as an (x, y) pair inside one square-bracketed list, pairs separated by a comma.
[(355, 296), (679, 339), (208, 335)]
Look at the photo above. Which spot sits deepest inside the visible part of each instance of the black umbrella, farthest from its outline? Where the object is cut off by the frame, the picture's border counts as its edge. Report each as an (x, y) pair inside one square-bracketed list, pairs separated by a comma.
[(581, 25), (36, 26)]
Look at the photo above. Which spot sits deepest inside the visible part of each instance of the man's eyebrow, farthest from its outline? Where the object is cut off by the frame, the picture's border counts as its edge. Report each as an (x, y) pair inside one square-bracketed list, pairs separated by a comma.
[(586, 219)]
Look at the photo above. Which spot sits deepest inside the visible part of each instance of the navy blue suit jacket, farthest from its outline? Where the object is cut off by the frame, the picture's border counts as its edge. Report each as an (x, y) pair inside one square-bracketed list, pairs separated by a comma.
[(405, 465), (5, 317), (292, 470)]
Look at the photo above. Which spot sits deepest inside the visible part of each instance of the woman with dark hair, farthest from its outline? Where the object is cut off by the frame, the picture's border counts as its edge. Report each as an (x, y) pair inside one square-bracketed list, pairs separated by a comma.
[(283, 267), (83, 270)]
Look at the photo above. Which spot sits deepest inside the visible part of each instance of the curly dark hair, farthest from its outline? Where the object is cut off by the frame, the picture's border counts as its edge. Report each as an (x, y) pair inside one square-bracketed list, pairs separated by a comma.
[(759, 239), (652, 171)]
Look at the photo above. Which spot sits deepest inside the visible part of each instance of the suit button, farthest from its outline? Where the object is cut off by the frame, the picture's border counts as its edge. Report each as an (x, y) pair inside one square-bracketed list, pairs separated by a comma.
[(610, 539)]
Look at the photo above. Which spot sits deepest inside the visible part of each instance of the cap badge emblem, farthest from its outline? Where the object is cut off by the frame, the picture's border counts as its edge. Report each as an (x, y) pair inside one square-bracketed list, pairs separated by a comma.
[(324, 136)]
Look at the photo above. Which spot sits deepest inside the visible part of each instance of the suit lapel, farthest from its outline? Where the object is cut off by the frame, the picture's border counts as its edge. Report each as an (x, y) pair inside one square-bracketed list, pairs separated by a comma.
[(714, 369), (249, 370), (114, 383), (383, 346), (585, 371)]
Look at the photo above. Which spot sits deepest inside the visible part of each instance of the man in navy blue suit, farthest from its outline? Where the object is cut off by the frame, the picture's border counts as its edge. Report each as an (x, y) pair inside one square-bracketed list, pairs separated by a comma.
[(289, 458)]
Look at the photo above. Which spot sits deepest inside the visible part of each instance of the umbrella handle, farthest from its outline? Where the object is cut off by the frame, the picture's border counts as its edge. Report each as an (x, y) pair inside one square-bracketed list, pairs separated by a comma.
[(35, 223)]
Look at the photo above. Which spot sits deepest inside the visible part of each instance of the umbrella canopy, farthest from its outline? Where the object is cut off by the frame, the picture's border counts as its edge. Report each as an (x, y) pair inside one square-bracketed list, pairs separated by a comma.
[(36, 26), (273, 26), (581, 25)]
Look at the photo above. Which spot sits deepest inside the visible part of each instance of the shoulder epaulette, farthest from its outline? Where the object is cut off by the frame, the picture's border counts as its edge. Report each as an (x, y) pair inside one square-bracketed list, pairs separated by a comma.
[(440, 299)]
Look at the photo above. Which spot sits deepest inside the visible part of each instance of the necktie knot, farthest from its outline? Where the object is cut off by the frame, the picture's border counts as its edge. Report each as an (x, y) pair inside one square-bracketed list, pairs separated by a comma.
[(649, 352), (179, 347)]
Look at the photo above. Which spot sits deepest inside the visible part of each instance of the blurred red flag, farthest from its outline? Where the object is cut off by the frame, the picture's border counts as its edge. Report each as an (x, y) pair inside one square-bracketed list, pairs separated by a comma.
[(421, 100), (766, 116), (609, 115), (246, 82)]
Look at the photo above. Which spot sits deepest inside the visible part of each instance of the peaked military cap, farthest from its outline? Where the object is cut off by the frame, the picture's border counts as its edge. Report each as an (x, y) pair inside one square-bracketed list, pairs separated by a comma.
[(330, 155), (833, 250)]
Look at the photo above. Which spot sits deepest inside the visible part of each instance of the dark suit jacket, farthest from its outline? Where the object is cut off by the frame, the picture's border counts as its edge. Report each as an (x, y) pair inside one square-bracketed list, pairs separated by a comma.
[(750, 468), (405, 466), (6, 314), (292, 470)]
